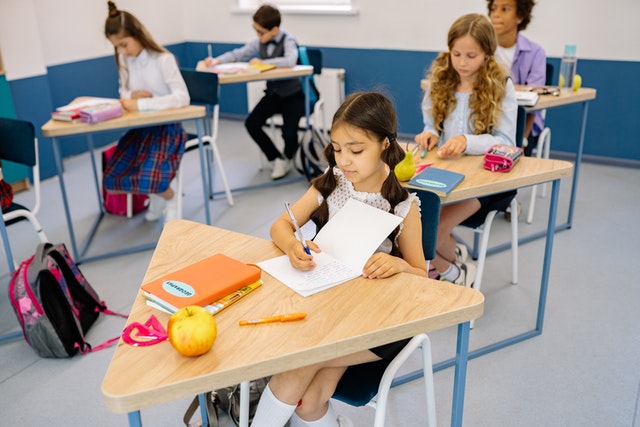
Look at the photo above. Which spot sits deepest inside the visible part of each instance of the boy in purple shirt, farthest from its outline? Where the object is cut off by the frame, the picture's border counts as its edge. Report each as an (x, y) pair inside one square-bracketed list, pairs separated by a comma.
[(526, 59)]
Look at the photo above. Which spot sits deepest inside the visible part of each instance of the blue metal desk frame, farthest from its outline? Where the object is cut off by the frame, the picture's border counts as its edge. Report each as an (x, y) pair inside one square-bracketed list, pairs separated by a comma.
[(80, 255), (307, 114), (546, 266)]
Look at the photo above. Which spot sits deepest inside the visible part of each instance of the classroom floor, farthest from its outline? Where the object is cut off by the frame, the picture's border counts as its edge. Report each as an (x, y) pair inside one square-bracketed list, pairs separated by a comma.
[(584, 370)]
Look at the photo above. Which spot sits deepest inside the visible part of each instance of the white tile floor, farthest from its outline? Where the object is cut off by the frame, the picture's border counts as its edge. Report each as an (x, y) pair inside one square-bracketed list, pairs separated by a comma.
[(584, 370)]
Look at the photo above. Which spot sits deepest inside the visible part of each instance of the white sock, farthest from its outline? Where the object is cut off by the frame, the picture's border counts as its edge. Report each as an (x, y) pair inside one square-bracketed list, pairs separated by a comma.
[(329, 419), (296, 421), (451, 273), (271, 412)]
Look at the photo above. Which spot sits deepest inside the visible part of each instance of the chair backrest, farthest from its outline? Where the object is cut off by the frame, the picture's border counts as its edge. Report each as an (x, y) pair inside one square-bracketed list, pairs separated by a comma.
[(314, 57), (430, 214), (202, 86), (17, 142), (521, 123), (548, 80)]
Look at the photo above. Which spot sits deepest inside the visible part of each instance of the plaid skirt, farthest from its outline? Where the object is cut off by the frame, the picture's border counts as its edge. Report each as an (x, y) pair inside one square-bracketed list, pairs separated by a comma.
[(145, 160)]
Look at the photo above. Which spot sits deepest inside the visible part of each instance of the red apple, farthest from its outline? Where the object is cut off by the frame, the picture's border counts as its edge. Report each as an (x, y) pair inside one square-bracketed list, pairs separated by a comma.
[(192, 330)]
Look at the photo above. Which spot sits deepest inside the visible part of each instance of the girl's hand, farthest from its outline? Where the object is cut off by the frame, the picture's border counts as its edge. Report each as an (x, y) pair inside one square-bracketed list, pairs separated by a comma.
[(254, 61), (210, 62), (137, 94), (453, 147), (382, 265), (427, 140), (129, 104), (299, 259)]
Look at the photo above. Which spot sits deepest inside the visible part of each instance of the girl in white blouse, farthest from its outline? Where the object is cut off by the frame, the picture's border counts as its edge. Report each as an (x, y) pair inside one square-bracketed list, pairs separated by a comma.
[(146, 159)]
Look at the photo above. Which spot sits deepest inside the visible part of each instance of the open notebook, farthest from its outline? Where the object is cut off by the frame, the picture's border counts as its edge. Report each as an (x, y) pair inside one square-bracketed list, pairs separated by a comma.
[(347, 241)]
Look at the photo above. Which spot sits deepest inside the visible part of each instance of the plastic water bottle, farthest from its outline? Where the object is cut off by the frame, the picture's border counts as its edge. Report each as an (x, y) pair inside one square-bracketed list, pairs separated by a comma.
[(567, 69)]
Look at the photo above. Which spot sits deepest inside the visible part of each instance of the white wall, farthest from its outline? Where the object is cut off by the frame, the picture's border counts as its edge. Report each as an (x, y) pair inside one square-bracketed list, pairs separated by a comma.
[(39, 33), (603, 30)]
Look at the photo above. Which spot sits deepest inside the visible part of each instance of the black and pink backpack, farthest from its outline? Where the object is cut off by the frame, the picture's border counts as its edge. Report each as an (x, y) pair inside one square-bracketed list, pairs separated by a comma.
[(54, 303)]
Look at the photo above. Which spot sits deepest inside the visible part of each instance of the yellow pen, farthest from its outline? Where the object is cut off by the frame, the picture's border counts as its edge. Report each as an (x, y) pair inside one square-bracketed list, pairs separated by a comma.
[(280, 318)]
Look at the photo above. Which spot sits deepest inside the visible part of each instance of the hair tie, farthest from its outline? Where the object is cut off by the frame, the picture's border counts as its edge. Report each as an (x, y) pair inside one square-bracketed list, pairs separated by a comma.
[(392, 137)]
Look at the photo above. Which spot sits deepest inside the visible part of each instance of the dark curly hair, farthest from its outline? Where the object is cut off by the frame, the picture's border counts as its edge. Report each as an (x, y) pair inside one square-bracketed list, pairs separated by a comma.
[(523, 10)]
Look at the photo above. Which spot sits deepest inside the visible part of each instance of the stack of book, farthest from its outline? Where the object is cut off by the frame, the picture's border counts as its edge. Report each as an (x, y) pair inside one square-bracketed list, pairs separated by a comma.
[(214, 283)]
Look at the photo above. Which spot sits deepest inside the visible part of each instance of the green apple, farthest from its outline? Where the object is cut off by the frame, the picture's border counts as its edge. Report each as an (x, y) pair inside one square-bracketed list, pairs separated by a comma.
[(577, 82), (192, 330)]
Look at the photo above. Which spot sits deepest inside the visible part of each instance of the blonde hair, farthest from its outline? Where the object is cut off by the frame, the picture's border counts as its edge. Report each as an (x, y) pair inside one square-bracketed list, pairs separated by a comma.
[(490, 88)]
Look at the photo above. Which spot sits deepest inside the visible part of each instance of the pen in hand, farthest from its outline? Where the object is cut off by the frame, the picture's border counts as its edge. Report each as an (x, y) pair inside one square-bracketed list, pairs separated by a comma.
[(298, 233), (280, 318), (424, 152)]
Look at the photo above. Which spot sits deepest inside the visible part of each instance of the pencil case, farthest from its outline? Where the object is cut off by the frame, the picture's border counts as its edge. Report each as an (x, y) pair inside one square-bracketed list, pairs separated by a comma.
[(100, 113), (501, 158)]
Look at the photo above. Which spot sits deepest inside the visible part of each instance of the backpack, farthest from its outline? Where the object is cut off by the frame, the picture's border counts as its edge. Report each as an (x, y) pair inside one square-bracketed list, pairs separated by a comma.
[(117, 203), (312, 162), (54, 303)]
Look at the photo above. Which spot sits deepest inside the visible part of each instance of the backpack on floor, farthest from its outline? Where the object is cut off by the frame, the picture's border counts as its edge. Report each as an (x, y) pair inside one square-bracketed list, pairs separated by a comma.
[(54, 303), (311, 158), (117, 203)]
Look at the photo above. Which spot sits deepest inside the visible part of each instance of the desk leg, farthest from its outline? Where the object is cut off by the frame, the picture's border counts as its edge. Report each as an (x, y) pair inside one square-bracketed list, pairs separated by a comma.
[(134, 419), (58, 159), (203, 174), (244, 404), (460, 376), (578, 162)]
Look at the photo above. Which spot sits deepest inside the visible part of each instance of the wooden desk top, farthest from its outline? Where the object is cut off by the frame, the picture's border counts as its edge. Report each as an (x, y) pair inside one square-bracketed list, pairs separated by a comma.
[(357, 315), (56, 128), (276, 73), (481, 182), (550, 101)]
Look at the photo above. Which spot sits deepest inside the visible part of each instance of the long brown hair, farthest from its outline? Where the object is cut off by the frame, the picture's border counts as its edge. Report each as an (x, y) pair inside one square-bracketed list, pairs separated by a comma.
[(374, 114), (490, 88), (123, 24)]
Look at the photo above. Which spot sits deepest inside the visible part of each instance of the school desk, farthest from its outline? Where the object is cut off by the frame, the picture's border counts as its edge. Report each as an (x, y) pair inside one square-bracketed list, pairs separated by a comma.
[(57, 129), (337, 324), (301, 71), (481, 182), (582, 96)]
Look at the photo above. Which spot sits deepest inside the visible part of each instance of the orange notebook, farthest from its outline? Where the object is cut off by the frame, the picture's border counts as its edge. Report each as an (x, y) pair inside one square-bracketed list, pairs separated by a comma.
[(202, 283)]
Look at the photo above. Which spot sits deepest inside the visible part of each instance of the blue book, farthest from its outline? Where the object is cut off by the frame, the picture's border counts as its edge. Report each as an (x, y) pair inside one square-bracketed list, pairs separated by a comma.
[(439, 181)]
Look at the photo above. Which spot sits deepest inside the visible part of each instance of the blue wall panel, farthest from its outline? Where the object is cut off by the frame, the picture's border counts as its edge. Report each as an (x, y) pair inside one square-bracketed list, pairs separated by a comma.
[(610, 127)]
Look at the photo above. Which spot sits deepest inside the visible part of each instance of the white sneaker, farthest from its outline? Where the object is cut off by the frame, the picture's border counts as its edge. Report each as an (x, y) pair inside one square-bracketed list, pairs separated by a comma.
[(171, 210), (156, 207), (344, 421), (281, 168), (461, 252)]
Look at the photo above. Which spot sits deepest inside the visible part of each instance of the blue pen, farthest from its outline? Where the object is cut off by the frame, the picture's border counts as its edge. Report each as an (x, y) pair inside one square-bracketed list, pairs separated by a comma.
[(424, 152), (298, 231)]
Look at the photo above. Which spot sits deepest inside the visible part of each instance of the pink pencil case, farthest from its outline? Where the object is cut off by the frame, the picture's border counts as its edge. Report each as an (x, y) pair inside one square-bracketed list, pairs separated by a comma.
[(502, 158), (101, 112)]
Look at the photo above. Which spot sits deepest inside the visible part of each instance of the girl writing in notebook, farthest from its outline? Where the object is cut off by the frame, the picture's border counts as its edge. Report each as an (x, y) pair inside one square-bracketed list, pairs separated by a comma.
[(146, 159), (469, 105), (363, 150)]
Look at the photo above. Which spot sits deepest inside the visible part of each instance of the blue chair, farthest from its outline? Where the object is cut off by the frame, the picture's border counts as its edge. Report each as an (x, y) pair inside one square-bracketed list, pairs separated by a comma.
[(18, 144), (369, 384), (204, 90), (542, 150)]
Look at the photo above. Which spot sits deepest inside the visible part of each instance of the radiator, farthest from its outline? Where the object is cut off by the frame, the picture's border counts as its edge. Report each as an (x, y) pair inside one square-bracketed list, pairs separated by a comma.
[(330, 84)]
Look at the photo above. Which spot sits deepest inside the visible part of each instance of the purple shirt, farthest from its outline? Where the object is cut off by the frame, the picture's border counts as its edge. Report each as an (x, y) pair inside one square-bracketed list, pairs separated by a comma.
[(529, 67)]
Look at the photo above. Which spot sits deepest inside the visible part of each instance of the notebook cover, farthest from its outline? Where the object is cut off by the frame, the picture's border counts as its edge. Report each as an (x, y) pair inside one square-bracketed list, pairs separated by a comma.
[(203, 282), (440, 181)]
